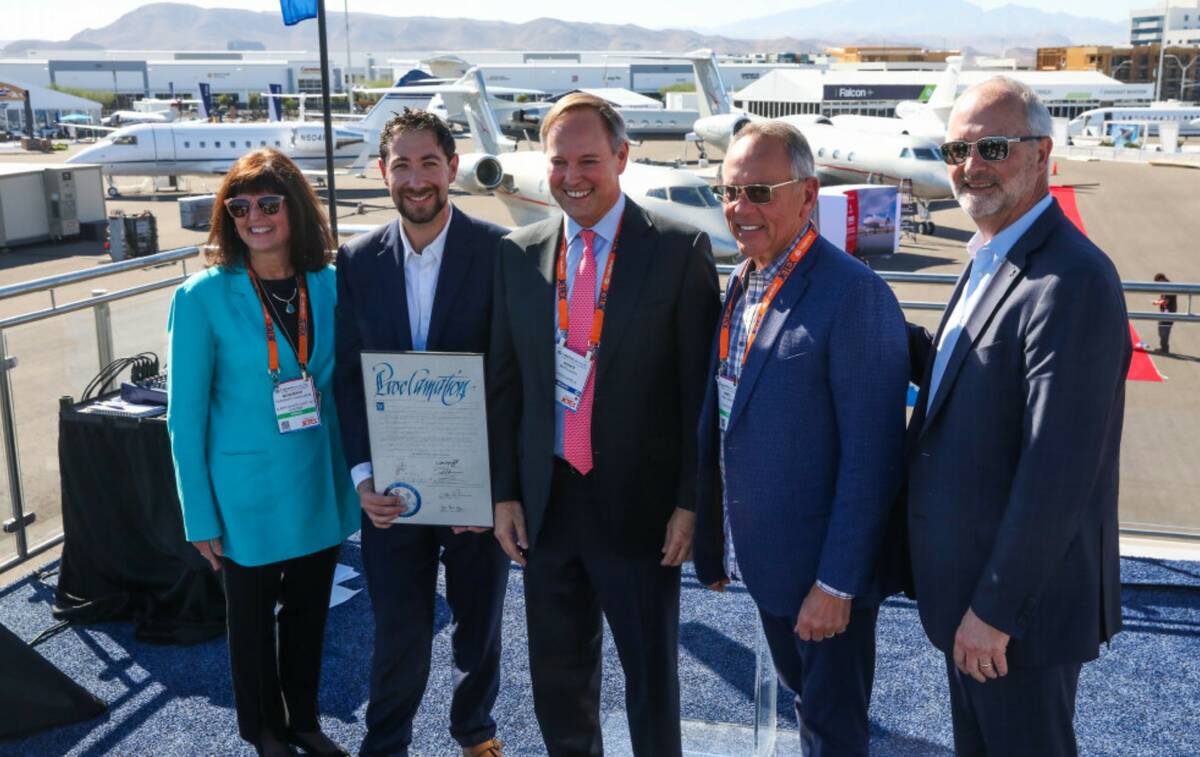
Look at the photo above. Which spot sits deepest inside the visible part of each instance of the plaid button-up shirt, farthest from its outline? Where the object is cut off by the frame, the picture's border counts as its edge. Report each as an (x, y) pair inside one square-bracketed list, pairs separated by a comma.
[(745, 310)]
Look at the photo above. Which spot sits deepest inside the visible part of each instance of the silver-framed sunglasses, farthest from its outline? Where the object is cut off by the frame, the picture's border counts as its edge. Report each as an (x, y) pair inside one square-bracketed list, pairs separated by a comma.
[(991, 149), (759, 194), (239, 207)]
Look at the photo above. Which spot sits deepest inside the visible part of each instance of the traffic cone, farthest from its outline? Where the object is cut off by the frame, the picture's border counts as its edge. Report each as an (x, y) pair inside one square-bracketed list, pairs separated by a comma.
[(1054, 168)]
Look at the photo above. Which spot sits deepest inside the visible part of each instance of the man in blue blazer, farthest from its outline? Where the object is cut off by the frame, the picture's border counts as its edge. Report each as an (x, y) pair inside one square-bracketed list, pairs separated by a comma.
[(1014, 445), (801, 437), (420, 282)]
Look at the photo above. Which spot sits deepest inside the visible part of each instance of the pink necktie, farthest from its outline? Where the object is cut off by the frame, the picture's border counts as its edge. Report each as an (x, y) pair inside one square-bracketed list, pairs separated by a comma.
[(577, 426)]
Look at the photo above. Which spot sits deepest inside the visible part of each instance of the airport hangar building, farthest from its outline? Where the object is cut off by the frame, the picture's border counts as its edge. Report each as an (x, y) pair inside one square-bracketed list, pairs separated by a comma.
[(837, 91)]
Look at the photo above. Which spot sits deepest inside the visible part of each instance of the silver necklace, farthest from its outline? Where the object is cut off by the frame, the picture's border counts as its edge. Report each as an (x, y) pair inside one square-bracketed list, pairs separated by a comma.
[(290, 309)]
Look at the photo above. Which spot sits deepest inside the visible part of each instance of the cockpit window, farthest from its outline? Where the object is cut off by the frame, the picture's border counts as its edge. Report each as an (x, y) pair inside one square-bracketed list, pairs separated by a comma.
[(926, 153), (709, 198), (687, 196), (125, 139), (906, 153), (658, 193)]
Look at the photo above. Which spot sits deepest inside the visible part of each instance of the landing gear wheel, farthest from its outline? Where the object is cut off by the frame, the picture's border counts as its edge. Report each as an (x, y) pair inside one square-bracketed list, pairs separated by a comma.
[(930, 228), (113, 193)]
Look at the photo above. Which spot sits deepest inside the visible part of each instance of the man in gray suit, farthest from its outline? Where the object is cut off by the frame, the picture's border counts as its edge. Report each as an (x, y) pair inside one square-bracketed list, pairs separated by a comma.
[(1013, 448)]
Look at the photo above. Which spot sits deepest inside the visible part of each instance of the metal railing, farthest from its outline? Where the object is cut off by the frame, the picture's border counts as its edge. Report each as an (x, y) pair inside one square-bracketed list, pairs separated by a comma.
[(100, 299), (99, 303), (1188, 315)]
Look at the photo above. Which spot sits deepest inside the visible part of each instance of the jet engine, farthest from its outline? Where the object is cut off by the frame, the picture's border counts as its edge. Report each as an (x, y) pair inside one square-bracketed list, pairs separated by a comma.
[(478, 173)]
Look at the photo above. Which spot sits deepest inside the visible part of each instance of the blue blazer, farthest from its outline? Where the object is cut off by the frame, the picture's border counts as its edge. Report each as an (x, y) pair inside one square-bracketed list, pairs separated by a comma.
[(372, 310), (1013, 471), (815, 439), (268, 496)]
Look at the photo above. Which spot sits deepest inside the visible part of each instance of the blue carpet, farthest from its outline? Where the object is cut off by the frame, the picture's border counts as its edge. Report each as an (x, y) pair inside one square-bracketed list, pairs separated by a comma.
[(1139, 698)]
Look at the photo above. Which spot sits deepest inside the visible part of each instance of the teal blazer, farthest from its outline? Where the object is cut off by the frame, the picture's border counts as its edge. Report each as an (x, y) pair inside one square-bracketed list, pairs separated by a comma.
[(268, 496)]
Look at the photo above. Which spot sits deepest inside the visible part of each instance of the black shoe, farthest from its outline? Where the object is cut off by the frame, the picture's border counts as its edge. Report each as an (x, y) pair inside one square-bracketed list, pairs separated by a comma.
[(316, 742), (272, 747)]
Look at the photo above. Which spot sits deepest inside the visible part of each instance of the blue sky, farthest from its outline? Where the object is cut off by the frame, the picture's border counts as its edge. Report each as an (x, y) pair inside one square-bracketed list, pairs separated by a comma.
[(30, 20)]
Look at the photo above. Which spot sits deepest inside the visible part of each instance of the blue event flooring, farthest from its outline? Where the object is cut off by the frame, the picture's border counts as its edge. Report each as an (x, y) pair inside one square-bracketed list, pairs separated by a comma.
[(1139, 698)]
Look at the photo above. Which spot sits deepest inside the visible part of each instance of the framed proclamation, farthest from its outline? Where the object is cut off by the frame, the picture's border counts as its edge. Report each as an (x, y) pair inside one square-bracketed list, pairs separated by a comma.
[(427, 421)]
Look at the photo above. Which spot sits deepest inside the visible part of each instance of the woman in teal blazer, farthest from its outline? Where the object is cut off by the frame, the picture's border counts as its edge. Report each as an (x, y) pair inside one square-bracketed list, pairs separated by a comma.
[(268, 508)]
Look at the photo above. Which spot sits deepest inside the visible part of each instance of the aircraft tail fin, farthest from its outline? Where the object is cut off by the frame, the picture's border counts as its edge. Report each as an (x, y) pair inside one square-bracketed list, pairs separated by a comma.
[(714, 99), (941, 100), (472, 101)]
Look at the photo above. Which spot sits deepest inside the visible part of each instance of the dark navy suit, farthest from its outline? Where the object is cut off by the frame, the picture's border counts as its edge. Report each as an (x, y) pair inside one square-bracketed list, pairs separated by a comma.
[(401, 562), (1012, 485), (813, 454)]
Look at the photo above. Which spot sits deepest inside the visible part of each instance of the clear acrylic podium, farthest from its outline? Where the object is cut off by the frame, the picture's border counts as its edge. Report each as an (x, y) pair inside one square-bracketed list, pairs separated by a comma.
[(706, 739)]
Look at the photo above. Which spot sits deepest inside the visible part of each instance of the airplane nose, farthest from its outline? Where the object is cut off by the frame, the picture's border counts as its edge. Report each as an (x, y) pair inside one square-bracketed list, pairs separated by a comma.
[(723, 245)]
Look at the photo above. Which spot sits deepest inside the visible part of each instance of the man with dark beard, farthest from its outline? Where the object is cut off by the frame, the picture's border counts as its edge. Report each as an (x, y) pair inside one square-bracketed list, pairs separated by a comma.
[(420, 282)]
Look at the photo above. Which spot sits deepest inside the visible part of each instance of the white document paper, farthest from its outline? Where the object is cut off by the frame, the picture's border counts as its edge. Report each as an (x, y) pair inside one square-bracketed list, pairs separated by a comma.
[(427, 421)]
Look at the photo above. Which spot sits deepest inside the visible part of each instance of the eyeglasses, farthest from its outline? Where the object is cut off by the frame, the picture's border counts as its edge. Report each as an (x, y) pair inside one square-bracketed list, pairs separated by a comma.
[(991, 149), (759, 194), (239, 207)]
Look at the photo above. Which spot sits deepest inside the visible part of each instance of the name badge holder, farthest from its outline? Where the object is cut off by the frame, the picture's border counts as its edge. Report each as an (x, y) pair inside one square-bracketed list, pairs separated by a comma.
[(296, 402), (572, 371), (726, 379)]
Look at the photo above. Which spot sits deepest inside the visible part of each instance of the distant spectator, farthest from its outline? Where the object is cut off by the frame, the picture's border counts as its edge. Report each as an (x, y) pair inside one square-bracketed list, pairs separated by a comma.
[(1166, 304)]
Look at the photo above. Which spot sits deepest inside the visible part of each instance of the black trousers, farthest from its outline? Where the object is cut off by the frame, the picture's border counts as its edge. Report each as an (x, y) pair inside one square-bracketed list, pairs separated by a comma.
[(570, 580), (1164, 335), (401, 564), (832, 680), (1030, 711), (275, 685)]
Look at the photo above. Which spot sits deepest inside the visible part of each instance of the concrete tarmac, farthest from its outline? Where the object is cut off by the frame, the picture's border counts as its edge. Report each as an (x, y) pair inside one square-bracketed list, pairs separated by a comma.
[(1146, 218)]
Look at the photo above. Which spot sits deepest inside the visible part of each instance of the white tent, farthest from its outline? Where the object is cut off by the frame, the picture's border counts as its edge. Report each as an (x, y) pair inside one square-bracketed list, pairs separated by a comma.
[(49, 106)]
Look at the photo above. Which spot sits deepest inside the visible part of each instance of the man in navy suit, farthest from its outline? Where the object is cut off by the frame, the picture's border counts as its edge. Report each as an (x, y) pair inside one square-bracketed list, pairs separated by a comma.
[(801, 437), (1013, 448), (420, 282)]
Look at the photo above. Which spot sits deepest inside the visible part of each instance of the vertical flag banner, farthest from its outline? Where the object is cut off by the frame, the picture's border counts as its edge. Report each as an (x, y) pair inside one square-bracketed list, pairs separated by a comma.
[(275, 104)]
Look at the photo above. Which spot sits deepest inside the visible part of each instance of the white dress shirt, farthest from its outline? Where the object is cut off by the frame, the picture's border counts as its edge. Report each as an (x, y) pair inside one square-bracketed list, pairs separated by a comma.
[(421, 269)]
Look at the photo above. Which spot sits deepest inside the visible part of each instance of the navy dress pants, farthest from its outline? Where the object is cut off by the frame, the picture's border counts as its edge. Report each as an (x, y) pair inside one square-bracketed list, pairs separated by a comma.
[(401, 565), (832, 680), (1030, 711)]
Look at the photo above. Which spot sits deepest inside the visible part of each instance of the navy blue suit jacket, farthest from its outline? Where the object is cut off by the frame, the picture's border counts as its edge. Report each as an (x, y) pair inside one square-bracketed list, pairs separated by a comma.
[(1012, 472), (372, 308), (814, 447)]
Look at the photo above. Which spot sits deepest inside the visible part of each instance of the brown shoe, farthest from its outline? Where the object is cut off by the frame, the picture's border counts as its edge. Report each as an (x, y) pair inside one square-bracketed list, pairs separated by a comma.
[(489, 748)]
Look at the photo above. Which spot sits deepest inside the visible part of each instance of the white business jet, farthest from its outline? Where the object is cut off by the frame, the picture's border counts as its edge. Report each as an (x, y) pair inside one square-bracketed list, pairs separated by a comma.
[(518, 179), (198, 148), (841, 155)]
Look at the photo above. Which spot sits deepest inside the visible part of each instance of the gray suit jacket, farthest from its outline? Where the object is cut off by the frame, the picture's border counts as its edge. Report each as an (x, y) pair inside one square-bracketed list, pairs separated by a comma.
[(1013, 472)]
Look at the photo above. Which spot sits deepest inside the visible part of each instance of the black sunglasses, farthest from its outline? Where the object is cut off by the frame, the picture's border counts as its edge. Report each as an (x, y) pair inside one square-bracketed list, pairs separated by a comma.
[(759, 194), (991, 149), (239, 207)]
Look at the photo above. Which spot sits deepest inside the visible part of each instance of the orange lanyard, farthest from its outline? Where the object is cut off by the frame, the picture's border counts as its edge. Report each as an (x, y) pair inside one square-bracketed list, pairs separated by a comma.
[(564, 318), (302, 330), (776, 284)]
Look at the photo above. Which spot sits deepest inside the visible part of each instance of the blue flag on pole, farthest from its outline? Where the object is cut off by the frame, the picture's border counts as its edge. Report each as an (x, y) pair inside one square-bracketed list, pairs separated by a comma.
[(295, 11)]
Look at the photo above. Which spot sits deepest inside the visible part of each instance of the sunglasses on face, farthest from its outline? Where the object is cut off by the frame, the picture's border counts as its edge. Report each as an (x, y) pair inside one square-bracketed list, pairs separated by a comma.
[(991, 149), (759, 194), (239, 207)]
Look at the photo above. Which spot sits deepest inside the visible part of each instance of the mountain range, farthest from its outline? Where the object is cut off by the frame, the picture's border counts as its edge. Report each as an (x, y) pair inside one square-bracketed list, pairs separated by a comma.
[(930, 23)]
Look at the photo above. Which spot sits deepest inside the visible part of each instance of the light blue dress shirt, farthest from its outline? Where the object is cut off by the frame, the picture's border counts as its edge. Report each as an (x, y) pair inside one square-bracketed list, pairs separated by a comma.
[(986, 258), (606, 232)]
